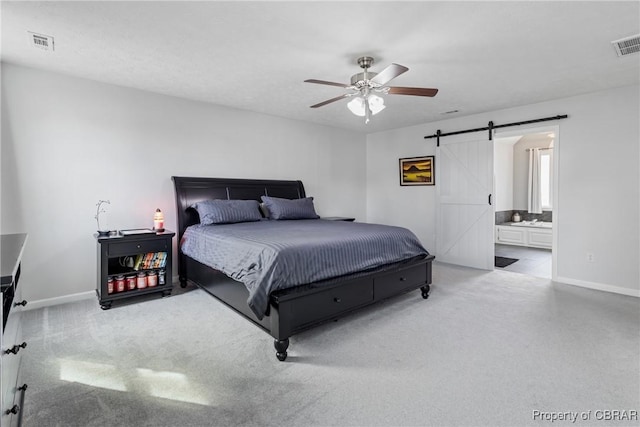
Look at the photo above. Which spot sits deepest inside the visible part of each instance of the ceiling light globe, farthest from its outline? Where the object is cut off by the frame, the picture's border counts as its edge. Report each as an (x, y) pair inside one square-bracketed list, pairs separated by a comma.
[(376, 104), (356, 105)]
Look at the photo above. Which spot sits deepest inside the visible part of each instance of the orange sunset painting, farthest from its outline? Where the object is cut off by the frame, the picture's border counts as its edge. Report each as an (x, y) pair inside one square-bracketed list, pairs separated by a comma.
[(417, 171)]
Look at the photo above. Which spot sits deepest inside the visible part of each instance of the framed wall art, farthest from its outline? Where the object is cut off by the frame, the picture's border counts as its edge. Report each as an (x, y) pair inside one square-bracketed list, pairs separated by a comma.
[(417, 171)]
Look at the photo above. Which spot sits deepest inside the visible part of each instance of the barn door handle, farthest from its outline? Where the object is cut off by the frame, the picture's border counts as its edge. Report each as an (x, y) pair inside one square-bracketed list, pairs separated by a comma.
[(16, 348), (489, 199)]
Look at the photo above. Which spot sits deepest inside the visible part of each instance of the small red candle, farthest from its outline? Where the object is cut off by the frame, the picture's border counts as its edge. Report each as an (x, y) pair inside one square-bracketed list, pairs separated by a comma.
[(158, 220)]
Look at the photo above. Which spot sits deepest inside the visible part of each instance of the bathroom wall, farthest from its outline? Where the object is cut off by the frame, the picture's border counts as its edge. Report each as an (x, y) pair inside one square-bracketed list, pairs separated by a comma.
[(503, 174), (511, 165)]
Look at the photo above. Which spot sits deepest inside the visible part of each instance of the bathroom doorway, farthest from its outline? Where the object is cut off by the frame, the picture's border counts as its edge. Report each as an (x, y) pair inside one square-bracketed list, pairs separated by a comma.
[(525, 165)]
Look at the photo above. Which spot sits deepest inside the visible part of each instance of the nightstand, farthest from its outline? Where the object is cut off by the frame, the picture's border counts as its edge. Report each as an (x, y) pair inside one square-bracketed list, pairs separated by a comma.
[(338, 218), (134, 264)]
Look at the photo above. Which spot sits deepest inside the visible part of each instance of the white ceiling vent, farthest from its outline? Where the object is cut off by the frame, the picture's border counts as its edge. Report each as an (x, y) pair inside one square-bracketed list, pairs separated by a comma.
[(41, 41), (627, 45)]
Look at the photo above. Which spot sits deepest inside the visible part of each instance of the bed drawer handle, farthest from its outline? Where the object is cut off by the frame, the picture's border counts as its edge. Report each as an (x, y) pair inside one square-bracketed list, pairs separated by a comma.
[(403, 279), (338, 300)]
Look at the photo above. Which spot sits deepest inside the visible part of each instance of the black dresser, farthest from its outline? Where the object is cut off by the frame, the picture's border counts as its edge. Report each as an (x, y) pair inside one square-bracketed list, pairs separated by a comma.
[(12, 392)]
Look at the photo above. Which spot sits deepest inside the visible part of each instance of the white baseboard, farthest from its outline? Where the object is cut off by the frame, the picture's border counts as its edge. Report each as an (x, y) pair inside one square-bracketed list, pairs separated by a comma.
[(32, 305), (599, 286)]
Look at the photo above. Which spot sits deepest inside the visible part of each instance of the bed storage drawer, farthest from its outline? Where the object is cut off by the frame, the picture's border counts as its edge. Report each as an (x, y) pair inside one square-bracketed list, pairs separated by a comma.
[(138, 247), (330, 302), (408, 278)]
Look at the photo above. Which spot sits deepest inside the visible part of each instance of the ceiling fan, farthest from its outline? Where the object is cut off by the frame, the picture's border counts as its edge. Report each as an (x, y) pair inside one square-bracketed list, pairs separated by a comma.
[(367, 84)]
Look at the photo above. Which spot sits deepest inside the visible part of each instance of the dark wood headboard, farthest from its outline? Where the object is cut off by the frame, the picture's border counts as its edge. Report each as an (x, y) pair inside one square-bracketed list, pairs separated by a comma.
[(190, 190)]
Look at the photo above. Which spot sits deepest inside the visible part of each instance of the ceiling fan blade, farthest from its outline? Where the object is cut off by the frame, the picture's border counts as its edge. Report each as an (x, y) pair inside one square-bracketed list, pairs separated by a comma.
[(329, 101), (416, 91), (391, 72), (323, 82)]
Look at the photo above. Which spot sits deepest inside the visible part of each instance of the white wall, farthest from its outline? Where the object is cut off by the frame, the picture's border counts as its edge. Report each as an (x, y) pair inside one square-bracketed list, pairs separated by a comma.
[(67, 142), (503, 175), (388, 202), (598, 212)]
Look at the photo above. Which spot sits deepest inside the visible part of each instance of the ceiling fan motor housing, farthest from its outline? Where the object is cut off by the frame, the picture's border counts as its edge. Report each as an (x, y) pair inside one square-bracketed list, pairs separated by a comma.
[(365, 62), (360, 80)]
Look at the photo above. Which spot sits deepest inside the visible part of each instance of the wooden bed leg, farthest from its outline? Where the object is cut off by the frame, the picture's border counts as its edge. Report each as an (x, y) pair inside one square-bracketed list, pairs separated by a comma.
[(281, 348), (183, 282), (425, 291)]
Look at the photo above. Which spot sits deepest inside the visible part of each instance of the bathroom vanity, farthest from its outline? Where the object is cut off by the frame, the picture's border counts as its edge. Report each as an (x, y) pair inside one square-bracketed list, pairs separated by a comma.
[(535, 234)]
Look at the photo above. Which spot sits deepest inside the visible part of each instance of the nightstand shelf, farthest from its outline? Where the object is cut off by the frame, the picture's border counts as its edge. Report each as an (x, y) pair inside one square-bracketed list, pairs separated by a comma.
[(133, 265)]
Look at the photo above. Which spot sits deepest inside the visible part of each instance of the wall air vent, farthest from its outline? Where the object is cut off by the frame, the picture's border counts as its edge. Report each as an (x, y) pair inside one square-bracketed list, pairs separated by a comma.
[(627, 45), (41, 41)]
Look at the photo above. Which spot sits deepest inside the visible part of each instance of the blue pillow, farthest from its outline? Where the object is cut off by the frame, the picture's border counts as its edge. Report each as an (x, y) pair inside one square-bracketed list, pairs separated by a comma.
[(222, 211), (290, 209)]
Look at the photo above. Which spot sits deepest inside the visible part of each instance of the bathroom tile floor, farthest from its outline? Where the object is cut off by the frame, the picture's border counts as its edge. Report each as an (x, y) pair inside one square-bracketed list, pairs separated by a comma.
[(531, 261)]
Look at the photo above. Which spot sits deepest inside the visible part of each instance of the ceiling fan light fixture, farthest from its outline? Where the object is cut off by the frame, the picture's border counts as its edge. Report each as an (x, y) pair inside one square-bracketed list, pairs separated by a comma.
[(364, 103), (357, 107), (376, 104)]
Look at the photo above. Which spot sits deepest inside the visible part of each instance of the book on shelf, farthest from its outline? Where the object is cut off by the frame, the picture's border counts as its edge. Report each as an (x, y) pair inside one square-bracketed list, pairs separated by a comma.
[(138, 262), (150, 260), (162, 260), (156, 260)]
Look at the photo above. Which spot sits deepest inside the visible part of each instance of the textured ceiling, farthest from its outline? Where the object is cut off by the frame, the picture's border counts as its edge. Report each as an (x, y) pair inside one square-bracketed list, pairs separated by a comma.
[(483, 56)]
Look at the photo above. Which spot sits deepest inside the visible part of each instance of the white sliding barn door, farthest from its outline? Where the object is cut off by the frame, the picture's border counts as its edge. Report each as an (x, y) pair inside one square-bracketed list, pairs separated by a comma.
[(465, 213)]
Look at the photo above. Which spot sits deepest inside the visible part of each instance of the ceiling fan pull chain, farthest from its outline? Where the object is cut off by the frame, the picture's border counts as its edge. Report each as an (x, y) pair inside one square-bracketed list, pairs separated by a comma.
[(367, 111)]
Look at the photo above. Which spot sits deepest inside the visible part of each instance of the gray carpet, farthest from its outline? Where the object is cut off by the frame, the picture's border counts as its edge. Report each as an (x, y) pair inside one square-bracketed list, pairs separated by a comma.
[(486, 349)]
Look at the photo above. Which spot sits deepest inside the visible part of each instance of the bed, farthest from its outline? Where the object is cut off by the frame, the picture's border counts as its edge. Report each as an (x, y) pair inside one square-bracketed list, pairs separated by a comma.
[(285, 311)]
